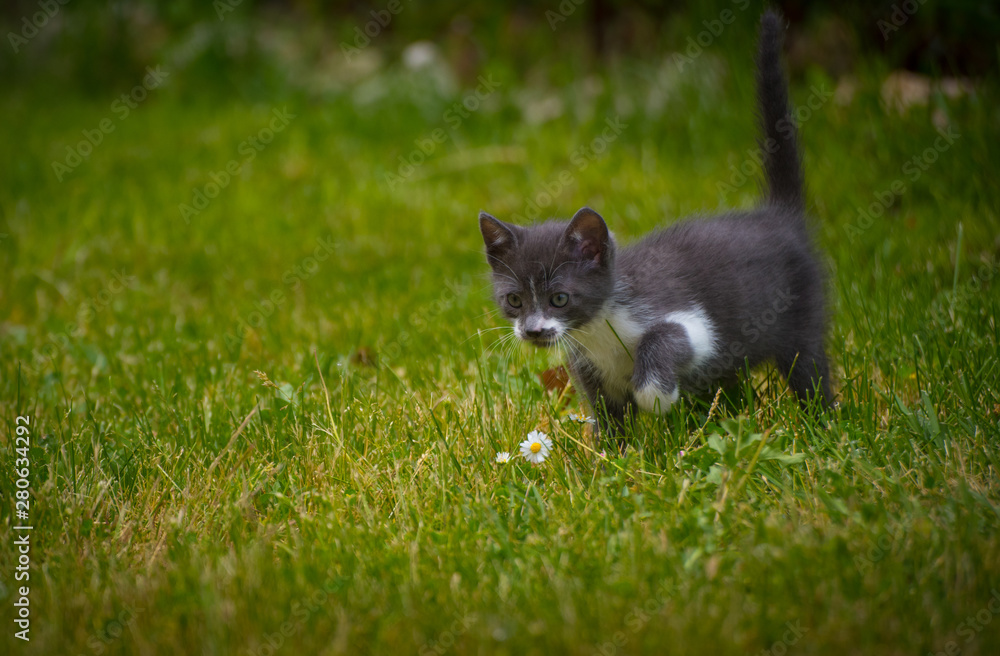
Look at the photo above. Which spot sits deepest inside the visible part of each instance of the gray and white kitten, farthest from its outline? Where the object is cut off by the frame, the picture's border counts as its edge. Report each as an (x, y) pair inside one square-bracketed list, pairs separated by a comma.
[(687, 306)]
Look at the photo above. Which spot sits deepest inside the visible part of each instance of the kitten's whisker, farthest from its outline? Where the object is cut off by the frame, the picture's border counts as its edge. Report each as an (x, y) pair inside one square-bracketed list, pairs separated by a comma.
[(482, 331), (513, 273), (515, 350), (563, 345), (489, 313), (504, 275), (508, 344), (569, 340), (553, 274), (486, 333), (499, 344), (577, 342), (491, 329), (561, 266)]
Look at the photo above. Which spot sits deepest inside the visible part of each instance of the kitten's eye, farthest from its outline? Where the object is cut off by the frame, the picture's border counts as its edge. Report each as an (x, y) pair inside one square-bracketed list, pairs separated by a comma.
[(560, 299), (514, 300)]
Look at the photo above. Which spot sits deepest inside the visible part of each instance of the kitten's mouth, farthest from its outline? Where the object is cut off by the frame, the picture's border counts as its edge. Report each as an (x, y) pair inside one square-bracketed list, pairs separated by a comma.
[(542, 342), (540, 334)]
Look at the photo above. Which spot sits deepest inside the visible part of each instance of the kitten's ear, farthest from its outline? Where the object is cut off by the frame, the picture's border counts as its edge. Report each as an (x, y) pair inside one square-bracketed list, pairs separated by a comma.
[(499, 237), (588, 238)]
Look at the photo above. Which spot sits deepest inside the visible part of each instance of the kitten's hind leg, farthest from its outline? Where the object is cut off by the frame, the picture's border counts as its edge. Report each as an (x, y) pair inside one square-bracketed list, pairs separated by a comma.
[(663, 351), (808, 375)]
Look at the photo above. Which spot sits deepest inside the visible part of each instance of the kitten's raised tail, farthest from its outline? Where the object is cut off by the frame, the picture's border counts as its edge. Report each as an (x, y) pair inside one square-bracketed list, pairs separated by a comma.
[(782, 166)]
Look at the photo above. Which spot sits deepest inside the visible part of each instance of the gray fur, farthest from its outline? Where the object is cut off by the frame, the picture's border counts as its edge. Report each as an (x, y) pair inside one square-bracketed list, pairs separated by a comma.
[(688, 306)]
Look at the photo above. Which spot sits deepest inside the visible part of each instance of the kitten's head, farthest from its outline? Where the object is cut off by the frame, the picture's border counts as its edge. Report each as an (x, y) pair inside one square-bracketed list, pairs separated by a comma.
[(550, 278)]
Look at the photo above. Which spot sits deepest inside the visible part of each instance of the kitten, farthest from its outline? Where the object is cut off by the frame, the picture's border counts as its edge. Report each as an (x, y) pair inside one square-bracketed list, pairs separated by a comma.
[(688, 305)]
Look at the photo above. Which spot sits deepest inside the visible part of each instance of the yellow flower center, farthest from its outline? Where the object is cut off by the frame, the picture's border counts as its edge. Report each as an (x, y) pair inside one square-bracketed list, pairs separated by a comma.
[(536, 447)]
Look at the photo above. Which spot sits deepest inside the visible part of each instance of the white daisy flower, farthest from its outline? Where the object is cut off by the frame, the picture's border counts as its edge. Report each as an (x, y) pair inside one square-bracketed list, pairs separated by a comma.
[(536, 448), (581, 419), (503, 456)]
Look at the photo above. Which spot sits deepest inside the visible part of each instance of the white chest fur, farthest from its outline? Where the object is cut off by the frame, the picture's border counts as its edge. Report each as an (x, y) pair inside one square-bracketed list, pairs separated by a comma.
[(609, 342)]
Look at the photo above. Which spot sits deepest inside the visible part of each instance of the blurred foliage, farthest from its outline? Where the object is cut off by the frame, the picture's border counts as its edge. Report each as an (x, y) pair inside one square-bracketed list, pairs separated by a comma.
[(290, 44)]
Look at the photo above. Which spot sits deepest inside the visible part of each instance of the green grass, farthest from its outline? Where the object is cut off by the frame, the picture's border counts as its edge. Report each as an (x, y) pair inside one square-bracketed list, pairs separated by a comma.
[(181, 505)]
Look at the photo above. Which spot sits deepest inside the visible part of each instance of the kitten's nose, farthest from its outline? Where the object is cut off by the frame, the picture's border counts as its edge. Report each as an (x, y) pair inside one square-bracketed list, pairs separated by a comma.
[(537, 332), (539, 329)]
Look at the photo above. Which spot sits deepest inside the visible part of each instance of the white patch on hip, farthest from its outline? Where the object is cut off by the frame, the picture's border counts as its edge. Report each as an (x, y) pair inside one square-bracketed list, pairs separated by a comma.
[(700, 332), (601, 344), (652, 398)]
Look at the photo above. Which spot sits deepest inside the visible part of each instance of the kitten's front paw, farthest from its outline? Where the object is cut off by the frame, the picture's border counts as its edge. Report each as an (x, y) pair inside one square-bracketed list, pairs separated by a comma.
[(652, 398)]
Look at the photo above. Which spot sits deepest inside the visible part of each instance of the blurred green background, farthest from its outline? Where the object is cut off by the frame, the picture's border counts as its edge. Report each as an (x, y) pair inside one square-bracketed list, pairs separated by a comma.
[(251, 49)]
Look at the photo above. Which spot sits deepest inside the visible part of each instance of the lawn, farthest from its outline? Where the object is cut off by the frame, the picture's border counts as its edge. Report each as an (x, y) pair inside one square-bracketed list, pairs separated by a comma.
[(265, 383)]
